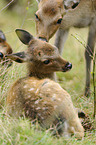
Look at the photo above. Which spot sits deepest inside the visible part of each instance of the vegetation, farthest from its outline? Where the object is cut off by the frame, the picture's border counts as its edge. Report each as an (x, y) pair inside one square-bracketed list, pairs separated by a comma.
[(21, 131)]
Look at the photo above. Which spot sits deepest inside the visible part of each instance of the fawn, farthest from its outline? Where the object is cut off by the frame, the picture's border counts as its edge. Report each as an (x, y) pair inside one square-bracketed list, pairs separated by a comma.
[(61, 15), (37, 95), (4, 49)]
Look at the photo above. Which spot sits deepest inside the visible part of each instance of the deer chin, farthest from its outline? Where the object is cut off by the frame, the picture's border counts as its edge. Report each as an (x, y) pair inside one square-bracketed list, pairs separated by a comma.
[(71, 5), (65, 70)]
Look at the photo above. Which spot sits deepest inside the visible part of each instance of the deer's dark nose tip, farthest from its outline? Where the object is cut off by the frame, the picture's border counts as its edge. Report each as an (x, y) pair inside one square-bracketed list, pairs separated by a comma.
[(68, 66), (1, 55)]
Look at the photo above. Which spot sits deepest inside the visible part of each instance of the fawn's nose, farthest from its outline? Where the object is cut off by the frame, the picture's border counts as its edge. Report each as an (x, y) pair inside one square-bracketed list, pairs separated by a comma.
[(1, 55), (67, 67)]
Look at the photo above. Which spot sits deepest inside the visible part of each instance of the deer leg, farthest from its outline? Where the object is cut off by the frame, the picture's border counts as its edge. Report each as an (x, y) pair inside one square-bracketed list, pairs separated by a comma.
[(61, 36), (88, 57)]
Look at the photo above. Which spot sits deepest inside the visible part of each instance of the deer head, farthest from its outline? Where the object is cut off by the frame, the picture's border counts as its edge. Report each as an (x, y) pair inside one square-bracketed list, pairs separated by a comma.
[(42, 58), (50, 15)]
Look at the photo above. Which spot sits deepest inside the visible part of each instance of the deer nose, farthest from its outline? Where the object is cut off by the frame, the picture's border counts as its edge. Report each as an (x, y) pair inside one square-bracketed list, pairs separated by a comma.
[(1, 55), (67, 67)]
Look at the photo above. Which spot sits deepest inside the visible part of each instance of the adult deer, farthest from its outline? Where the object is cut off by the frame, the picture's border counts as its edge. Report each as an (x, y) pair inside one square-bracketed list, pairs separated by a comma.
[(4, 49), (37, 95), (61, 15)]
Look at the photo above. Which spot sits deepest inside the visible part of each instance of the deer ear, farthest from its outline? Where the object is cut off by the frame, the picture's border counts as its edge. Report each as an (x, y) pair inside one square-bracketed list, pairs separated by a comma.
[(19, 57), (2, 36), (24, 36)]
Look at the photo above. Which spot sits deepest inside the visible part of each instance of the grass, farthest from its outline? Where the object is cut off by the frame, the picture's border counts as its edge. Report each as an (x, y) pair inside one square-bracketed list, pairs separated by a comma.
[(21, 131)]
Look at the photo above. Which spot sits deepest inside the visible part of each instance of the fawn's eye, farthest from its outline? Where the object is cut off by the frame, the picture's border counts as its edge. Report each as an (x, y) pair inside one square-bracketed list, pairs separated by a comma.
[(36, 16), (46, 62), (1, 55), (59, 21)]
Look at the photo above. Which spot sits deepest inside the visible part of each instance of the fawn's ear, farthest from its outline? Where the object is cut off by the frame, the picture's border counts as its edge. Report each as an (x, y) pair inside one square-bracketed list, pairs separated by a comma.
[(2, 36), (24, 36), (19, 57)]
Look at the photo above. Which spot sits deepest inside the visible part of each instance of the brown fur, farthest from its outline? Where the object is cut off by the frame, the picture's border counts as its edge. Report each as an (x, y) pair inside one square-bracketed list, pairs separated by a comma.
[(5, 48), (81, 15), (39, 97)]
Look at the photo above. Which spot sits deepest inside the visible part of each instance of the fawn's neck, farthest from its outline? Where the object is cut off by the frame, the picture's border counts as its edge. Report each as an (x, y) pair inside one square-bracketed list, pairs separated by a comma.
[(51, 76), (33, 73)]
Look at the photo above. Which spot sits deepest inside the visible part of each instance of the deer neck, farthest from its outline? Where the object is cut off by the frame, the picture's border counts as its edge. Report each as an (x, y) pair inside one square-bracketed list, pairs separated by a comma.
[(32, 72)]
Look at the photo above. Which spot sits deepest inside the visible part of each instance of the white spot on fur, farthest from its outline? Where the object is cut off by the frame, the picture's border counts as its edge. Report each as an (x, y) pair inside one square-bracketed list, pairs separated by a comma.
[(37, 101), (38, 108), (42, 117), (16, 97), (44, 108), (40, 95), (39, 114), (53, 97), (27, 102), (28, 96), (59, 99), (55, 106), (25, 86), (31, 89), (34, 82), (45, 102), (49, 90), (72, 129), (37, 91)]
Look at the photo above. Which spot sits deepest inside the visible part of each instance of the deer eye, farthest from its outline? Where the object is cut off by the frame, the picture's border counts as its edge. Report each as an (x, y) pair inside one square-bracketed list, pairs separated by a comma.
[(46, 62), (36, 16), (1, 55), (59, 21)]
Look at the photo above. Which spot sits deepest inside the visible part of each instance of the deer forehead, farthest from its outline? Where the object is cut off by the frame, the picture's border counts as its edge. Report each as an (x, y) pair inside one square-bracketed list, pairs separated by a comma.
[(50, 8), (40, 48)]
